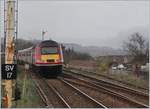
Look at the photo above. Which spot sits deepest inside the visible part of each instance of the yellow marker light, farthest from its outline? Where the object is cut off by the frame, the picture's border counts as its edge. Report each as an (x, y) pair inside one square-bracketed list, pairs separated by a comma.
[(57, 60)]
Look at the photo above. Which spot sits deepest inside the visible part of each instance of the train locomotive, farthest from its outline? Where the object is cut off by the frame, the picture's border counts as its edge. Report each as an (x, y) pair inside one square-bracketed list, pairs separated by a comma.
[(45, 57)]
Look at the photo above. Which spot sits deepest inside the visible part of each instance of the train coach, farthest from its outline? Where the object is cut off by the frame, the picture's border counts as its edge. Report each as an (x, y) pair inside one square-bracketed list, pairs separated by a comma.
[(45, 57)]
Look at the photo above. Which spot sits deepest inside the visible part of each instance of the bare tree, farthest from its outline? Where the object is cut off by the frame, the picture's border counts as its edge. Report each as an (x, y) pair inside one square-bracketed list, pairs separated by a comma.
[(137, 47)]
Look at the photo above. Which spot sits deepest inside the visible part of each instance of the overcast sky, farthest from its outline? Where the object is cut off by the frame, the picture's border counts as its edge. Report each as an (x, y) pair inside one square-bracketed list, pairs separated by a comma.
[(88, 23)]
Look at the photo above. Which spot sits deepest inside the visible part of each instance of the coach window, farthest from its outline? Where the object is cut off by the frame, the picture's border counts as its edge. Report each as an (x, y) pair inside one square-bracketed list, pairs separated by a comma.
[(29, 53)]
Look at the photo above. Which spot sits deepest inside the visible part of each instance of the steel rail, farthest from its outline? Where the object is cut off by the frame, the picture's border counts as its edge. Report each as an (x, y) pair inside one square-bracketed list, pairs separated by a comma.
[(42, 94), (92, 87), (58, 94), (139, 87), (114, 93), (142, 94), (114, 84), (92, 99), (49, 105), (101, 75)]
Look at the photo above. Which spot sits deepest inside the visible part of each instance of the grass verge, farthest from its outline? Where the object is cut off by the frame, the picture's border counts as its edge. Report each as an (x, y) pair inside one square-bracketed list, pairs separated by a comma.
[(29, 95)]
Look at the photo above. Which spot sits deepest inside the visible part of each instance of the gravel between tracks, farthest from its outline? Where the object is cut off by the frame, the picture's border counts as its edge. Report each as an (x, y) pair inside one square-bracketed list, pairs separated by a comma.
[(74, 98), (131, 104), (101, 96), (52, 97), (108, 78), (141, 97)]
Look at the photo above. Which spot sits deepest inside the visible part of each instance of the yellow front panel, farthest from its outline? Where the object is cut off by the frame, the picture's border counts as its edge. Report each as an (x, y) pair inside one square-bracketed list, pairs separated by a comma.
[(51, 56)]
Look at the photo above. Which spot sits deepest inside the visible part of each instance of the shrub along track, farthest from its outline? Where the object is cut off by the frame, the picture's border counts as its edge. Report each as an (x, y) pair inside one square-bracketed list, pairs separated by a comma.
[(135, 98), (108, 78)]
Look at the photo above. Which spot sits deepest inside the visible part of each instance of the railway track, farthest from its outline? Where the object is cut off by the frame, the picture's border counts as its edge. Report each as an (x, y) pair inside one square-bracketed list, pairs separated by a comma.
[(73, 90), (104, 82), (61, 94), (48, 94), (135, 97), (74, 96), (112, 80)]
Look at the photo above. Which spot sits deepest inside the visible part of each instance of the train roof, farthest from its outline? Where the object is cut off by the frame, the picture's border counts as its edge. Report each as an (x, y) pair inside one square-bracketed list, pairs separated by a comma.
[(27, 49), (43, 43), (48, 43)]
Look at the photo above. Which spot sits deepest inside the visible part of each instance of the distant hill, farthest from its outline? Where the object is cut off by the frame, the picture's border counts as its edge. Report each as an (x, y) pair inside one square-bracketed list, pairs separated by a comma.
[(94, 50), (22, 44), (119, 39)]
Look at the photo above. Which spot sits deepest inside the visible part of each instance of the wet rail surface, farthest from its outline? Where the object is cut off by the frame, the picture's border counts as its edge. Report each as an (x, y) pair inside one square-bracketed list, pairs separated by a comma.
[(115, 85), (58, 93), (48, 94), (74, 96), (75, 91), (111, 79), (135, 97)]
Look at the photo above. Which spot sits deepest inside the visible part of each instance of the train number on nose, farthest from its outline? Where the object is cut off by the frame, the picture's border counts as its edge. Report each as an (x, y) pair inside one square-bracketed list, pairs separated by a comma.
[(9, 71)]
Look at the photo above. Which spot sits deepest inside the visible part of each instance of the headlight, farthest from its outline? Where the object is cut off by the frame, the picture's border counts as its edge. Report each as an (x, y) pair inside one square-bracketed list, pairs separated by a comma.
[(38, 60), (57, 60)]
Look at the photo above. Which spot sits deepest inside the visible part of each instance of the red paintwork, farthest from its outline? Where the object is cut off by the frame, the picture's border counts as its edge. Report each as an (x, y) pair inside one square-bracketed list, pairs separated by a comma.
[(48, 63), (37, 53), (59, 53)]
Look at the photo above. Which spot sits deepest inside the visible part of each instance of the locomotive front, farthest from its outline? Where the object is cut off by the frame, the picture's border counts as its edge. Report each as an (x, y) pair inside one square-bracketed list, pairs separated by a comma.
[(49, 57)]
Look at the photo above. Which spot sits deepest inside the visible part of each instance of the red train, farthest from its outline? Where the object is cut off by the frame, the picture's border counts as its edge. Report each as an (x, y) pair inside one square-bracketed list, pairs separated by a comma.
[(45, 57)]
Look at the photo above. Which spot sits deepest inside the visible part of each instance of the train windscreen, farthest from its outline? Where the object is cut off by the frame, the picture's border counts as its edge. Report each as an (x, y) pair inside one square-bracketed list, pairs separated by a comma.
[(49, 50)]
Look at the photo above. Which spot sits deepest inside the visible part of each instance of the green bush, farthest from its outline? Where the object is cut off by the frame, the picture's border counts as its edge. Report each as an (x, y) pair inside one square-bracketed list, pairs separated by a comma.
[(103, 67)]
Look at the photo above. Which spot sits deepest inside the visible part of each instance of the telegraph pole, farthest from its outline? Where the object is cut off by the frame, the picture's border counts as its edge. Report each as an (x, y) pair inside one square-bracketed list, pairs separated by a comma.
[(10, 32), (43, 33)]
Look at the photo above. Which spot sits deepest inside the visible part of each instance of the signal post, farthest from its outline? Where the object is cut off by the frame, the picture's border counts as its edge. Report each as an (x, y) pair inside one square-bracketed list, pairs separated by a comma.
[(10, 33)]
